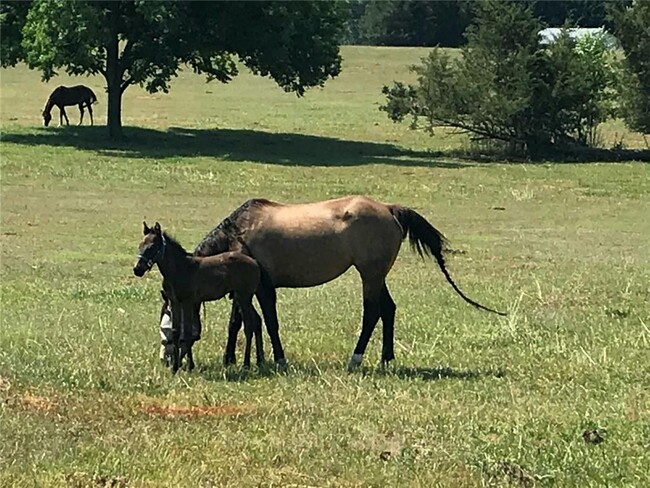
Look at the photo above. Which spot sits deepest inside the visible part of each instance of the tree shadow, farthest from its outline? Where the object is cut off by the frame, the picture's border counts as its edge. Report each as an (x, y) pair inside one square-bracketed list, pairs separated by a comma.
[(575, 155), (230, 145)]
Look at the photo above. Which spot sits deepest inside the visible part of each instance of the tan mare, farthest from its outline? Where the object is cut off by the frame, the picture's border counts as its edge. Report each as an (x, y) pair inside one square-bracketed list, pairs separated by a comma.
[(305, 245), (64, 96), (189, 280)]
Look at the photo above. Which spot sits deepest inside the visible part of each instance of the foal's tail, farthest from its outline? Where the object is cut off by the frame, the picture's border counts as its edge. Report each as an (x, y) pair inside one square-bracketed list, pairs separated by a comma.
[(426, 240)]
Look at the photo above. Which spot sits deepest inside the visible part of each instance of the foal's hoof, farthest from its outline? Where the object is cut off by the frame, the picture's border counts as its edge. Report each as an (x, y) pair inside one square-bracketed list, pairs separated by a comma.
[(355, 362), (384, 364)]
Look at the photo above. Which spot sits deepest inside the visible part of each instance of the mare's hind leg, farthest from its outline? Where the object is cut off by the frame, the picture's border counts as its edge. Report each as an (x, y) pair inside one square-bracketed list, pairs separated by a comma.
[(234, 326), (81, 113), (371, 313), (387, 309), (90, 112)]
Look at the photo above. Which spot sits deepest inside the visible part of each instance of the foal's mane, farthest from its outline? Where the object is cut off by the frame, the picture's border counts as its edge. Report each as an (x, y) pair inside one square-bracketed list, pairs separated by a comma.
[(223, 235), (174, 246)]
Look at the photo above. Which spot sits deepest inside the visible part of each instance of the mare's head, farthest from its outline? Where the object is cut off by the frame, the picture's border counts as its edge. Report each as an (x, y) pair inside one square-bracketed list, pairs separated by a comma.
[(47, 116), (150, 250)]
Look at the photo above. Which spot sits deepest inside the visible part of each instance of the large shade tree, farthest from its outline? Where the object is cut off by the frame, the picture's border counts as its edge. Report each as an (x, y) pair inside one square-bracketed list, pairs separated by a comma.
[(146, 42)]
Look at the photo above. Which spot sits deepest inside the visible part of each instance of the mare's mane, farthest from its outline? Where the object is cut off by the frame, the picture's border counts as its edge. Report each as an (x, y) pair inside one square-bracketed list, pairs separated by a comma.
[(223, 235)]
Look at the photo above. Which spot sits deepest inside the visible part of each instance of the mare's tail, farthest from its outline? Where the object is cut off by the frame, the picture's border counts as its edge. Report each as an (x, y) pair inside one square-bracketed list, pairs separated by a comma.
[(426, 240)]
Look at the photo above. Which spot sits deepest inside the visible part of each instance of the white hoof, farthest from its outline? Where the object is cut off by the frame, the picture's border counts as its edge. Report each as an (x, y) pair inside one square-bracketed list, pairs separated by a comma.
[(355, 362)]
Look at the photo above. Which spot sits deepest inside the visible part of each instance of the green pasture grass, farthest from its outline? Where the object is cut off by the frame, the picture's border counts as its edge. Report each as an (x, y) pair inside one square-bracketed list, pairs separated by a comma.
[(471, 400)]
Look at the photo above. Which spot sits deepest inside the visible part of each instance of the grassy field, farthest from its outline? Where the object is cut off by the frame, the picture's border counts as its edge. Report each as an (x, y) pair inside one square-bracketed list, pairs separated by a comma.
[(472, 399)]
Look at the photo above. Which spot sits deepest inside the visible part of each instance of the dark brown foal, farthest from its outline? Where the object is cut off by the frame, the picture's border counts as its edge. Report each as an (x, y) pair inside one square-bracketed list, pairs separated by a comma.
[(189, 281)]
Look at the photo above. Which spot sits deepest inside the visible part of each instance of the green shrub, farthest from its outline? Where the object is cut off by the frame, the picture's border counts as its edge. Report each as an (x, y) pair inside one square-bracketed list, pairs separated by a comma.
[(509, 88)]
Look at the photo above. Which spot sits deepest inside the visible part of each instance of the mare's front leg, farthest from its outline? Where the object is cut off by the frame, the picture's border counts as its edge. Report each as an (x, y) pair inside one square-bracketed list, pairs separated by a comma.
[(267, 298), (63, 114), (234, 325)]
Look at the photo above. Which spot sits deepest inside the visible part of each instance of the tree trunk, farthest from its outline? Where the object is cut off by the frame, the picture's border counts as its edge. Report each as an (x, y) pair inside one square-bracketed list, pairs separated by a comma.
[(114, 77), (114, 111)]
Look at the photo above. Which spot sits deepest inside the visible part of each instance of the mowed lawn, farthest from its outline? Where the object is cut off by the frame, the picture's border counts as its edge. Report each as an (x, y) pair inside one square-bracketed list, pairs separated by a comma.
[(472, 399)]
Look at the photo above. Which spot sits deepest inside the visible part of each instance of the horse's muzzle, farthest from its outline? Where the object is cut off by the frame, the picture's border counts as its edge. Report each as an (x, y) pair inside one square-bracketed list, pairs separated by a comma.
[(139, 271)]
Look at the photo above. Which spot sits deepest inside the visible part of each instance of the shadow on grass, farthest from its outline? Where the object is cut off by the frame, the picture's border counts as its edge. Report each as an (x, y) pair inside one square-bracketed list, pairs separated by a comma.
[(568, 156), (231, 145), (440, 373), (286, 148), (214, 371)]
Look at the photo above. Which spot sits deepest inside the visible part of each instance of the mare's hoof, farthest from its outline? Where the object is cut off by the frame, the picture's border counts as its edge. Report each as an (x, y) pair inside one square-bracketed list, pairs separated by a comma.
[(229, 360)]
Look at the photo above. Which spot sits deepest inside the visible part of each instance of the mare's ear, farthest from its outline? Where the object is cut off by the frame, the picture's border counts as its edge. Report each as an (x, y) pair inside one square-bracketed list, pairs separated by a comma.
[(146, 229), (157, 229)]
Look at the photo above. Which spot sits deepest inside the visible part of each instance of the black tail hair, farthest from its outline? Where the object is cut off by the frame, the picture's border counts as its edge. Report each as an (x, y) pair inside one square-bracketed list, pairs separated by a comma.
[(426, 240)]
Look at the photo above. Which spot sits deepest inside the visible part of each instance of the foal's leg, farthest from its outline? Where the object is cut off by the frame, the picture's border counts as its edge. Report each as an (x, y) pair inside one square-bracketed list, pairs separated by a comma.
[(234, 326), (246, 304), (371, 312), (81, 112), (185, 336), (177, 324), (387, 309), (259, 341)]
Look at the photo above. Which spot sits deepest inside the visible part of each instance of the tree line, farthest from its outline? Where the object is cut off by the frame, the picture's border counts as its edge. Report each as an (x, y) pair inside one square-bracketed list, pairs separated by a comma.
[(443, 23)]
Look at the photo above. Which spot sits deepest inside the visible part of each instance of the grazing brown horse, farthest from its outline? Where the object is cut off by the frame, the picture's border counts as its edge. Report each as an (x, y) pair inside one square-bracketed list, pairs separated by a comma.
[(189, 280), (310, 244), (64, 96)]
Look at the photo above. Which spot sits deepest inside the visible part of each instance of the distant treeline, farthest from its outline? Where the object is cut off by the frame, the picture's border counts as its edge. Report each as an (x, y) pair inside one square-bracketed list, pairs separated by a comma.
[(443, 23)]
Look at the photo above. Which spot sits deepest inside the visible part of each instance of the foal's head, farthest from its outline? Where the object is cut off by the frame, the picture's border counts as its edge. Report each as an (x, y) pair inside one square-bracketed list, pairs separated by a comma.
[(150, 250), (47, 116)]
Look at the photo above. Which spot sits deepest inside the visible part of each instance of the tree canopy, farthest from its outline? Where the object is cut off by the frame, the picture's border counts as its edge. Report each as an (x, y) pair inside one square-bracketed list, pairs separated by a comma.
[(146, 43)]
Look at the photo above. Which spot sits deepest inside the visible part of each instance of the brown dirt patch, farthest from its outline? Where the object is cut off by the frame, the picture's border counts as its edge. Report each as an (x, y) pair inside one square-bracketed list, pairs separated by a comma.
[(38, 403), (195, 411), (5, 384)]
